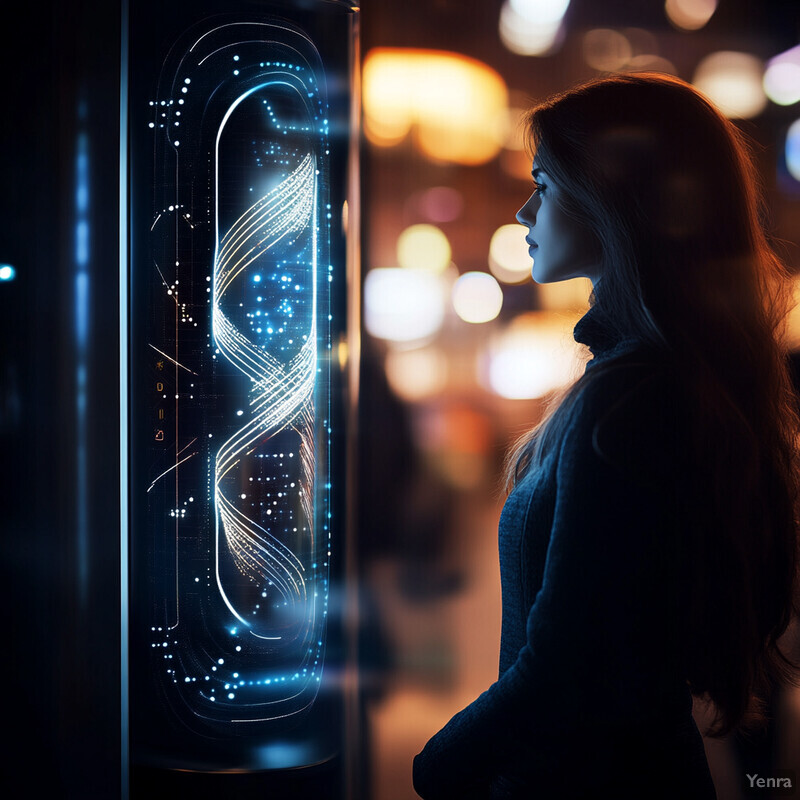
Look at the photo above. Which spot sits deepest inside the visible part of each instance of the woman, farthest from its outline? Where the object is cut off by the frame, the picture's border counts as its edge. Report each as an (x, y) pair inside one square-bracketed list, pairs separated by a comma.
[(648, 550)]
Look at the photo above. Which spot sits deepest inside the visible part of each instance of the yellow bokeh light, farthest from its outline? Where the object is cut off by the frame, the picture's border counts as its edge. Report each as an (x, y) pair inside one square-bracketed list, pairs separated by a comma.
[(536, 354), (606, 50), (416, 374), (403, 305), (509, 259), (690, 15), (477, 297), (529, 35), (791, 333), (565, 295), (648, 62), (423, 247), (455, 105), (733, 82), (514, 129)]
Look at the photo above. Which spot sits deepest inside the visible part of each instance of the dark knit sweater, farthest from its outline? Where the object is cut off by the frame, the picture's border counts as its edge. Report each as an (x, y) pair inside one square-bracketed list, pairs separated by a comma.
[(591, 698)]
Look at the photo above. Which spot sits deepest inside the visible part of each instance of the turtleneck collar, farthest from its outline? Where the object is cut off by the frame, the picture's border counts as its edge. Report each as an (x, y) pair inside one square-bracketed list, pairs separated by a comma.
[(597, 331)]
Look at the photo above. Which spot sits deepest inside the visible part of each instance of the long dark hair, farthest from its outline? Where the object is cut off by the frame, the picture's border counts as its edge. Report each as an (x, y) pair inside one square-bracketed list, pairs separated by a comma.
[(669, 189)]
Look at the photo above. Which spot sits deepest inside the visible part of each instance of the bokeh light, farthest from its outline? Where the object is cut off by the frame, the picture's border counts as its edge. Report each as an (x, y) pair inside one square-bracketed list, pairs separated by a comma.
[(441, 204), (642, 40), (403, 305), (540, 10), (514, 133), (782, 77), (534, 356), (733, 82), (565, 295), (423, 247), (606, 50), (792, 329), (690, 15), (782, 83), (649, 62), (529, 36), (7, 272), (477, 297), (793, 150), (509, 259), (416, 374), (455, 104)]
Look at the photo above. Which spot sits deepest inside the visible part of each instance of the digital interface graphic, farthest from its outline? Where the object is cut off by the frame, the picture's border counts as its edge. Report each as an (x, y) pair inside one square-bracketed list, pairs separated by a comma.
[(238, 358)]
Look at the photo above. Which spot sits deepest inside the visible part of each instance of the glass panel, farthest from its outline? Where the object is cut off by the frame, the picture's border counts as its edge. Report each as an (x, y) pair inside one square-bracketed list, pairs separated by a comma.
[(237, 298)]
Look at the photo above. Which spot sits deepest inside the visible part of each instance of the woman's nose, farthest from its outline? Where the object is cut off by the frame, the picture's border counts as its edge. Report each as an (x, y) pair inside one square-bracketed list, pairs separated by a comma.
[(527, 215)]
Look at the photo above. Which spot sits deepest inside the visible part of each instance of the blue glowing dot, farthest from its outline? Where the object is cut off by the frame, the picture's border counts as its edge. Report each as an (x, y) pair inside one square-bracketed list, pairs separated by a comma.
[(236, 58), (7, 272), (220, 661), (256, 279), (231, 695)]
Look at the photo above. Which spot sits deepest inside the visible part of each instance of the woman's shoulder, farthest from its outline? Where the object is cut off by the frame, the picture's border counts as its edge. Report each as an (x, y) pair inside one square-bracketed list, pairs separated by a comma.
[(638, 379), (631, 409)]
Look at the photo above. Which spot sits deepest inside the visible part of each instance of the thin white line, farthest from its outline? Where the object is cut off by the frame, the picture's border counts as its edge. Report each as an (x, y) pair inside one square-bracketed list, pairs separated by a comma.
[(171, 359), (167, 471)]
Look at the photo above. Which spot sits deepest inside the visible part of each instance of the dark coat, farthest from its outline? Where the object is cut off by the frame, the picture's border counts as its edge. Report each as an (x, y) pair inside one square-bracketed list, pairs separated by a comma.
[(592, 697)]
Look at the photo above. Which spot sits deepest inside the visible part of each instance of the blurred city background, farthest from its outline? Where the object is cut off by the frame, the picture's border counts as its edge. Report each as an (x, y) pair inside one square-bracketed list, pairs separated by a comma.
[(461, 350)]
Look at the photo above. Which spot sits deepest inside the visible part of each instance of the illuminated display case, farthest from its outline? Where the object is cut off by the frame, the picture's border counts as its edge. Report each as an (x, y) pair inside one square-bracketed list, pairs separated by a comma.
[(242, 246)]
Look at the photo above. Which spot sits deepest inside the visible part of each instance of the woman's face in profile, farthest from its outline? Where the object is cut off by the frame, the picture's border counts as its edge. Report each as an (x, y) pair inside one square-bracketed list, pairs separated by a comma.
[(560, 246)]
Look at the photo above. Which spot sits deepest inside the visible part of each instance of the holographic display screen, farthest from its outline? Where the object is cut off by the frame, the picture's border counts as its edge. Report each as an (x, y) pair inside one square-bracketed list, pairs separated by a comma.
[(236, 363)]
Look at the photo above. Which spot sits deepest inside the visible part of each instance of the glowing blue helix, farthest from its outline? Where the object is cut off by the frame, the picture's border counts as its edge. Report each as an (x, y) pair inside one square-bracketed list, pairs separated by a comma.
[(281, 396)]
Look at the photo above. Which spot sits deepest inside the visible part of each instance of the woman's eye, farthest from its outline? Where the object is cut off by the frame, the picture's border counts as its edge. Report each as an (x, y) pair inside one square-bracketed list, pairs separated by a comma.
[(538, 188)]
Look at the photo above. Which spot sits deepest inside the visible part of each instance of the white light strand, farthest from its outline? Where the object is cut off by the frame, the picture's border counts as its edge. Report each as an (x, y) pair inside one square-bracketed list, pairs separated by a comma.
[(281, 393)]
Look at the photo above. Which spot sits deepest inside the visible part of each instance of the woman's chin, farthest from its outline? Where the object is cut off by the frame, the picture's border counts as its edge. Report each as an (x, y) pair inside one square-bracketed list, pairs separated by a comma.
[(540, 275)]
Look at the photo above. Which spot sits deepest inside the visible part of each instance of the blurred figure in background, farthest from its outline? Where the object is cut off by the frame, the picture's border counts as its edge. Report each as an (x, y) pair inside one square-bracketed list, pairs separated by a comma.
[(648, 547)]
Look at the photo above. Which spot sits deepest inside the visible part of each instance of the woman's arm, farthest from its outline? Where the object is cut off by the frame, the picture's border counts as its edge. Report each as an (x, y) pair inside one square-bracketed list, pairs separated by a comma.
[(601, 627)]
